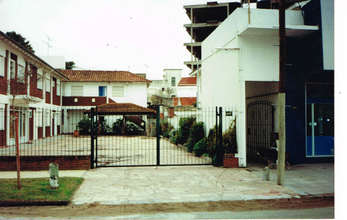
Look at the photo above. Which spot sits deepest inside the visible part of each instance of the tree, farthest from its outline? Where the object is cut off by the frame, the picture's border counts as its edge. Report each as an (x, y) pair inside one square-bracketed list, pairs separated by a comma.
[(20, 40), (70, 65)]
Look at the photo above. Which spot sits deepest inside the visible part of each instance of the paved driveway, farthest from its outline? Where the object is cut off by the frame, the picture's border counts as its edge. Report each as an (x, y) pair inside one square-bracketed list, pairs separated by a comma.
[(111, 150)]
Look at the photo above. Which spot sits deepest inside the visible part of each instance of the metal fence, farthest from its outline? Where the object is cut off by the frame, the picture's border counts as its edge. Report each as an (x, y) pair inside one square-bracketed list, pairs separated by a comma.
[(41, 132), (113, 139)]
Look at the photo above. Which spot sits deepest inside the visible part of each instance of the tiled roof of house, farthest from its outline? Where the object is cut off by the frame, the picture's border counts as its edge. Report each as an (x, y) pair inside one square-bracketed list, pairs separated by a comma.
[(102, 76), (187, 81), (123, 108), (184, 101)]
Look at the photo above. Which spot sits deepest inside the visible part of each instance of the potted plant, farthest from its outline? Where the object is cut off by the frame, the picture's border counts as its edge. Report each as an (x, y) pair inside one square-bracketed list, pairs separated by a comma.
[(76, 132)]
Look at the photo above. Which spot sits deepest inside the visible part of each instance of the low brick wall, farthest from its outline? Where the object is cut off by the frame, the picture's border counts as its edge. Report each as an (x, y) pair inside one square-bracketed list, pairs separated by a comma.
[(34, 163)]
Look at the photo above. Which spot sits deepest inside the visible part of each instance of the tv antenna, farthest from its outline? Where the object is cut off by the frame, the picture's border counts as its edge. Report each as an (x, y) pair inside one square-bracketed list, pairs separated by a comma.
[(48, 43)]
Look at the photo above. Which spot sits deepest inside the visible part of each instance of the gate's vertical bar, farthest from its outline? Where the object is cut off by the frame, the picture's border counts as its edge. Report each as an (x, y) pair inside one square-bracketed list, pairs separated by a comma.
[(214, 159), (158, 134), (92, 138), (96, 135), (221, 147)]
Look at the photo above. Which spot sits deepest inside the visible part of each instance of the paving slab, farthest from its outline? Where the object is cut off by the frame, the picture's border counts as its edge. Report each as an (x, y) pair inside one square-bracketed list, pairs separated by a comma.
[(141, 185), (144, 185)]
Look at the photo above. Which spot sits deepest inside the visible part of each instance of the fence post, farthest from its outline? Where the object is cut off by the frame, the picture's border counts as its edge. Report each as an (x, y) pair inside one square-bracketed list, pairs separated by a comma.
[(92, 138), (219, 137), (158, 134), (96, 135)]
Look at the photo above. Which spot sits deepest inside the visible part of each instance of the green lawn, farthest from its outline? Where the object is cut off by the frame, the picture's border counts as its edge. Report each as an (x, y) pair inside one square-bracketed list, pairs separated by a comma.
[(38, 189)]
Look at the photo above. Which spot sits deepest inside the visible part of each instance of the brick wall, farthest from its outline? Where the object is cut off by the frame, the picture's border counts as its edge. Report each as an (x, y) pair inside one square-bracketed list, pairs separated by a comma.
[(83, 101), (40, 132), (48, 131), (18, 88), (34, 91), (34, 163), (48, 97), (2, 139), (56, 99)]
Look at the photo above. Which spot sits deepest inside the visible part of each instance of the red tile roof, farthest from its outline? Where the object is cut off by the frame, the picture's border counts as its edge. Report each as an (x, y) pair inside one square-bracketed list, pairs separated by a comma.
[(123, 108), (102, 76), (187, 81), (184, 101)]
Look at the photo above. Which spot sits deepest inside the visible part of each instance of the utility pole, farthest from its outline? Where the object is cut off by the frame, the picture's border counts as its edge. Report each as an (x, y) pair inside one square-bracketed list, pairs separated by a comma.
[(281, 144)]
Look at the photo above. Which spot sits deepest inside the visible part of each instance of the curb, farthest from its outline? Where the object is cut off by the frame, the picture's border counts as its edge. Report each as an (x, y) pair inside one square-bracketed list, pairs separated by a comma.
[(303, 198), (33, 203)]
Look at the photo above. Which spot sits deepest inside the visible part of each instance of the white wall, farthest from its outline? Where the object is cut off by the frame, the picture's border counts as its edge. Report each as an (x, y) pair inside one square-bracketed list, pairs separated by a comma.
[(327, 8), (237, 22), (133, 92), (252, 56), (186, 91)]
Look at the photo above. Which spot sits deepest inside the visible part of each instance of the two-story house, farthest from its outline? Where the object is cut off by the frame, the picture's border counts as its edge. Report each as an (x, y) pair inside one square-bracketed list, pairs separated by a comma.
[(30, 88), (86, 88)]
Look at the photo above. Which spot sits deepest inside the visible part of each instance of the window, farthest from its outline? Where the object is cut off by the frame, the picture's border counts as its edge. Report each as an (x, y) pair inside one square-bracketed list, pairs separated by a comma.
[(58, 87), (76, 90), (12, 69), (173, 81), (48, 84), (117, 91), (21, 76), (39, 80), (2, 65), (102, 90)]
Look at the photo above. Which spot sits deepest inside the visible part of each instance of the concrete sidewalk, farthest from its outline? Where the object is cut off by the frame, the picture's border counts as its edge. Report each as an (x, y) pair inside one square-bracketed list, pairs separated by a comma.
[(141, 185)]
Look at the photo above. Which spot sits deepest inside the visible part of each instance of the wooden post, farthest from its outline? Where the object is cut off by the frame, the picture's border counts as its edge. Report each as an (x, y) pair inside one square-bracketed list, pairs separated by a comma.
[(17, 151), (281, 143)]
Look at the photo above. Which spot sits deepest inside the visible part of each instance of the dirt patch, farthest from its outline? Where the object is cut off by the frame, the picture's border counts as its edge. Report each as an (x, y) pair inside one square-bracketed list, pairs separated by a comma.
[(117, 210)]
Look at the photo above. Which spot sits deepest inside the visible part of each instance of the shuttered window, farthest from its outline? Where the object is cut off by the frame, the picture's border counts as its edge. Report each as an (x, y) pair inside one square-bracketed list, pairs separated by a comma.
[(76, 90), (48, 84), (117, 91)]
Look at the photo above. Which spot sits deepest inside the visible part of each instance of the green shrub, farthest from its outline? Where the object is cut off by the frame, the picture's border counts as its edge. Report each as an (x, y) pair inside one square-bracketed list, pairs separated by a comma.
[(229, 139), (84, 126), (103, 128), (200, 147), (211, 142), (173, 136), (184, 129), (117, 126), (166, 127), (197, 132)]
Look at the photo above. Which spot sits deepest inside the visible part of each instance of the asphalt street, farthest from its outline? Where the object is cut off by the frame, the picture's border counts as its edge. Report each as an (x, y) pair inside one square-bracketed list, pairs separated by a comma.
[(315, 213)]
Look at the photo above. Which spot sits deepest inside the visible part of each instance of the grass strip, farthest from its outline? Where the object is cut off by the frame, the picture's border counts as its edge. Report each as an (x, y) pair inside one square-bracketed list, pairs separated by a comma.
[(38, 190)]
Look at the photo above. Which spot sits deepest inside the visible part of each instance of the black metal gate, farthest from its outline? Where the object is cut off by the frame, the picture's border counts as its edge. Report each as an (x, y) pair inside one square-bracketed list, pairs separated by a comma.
[(117, 140), (260, 127)]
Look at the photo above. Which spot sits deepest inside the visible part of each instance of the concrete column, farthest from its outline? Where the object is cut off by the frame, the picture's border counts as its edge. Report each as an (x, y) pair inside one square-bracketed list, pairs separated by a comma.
[(51, 88), (241, 127), (44, 122), (65, 121), (43, 86)]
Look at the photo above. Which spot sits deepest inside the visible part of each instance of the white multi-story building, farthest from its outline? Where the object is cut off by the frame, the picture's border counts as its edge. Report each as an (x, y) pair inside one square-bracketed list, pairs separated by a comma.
[(240, 69), (31, 88)]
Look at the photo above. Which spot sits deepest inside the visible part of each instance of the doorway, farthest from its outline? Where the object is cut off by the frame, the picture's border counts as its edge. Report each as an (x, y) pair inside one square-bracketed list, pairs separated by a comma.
[(320, 130)]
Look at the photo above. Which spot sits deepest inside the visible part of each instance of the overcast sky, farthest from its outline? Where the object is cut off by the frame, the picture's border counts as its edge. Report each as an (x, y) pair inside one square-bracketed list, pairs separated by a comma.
[(136, 35)]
